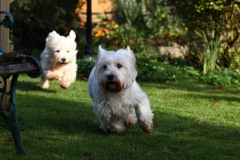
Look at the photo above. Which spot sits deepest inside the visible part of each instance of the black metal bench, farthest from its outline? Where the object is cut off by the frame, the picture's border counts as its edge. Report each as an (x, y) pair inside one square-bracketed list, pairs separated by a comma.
[(11, 65)]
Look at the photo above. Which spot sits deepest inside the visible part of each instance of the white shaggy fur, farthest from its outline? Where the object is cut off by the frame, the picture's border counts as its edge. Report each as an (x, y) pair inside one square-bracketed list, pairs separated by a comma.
[(118, 100), (58, 60)]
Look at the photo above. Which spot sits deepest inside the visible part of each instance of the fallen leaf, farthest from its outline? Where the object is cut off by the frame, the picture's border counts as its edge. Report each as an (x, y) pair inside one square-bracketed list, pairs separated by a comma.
[(84, 78), (169, 81), (214, 102), (218, 87), (5, 139), (200, 121)]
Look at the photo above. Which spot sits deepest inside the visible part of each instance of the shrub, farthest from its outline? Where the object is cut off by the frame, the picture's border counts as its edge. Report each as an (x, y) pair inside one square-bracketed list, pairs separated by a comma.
[(150, 67), (217, 78), (154, 68), (157, 68), (85, 66)]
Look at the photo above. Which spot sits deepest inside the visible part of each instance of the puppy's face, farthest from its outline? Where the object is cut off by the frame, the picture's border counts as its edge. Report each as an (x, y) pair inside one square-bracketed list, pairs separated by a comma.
[(60, 49), (115, 71)]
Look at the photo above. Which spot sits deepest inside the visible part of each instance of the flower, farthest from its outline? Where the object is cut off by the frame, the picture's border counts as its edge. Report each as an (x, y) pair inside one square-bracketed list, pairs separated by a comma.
[(115, 26)]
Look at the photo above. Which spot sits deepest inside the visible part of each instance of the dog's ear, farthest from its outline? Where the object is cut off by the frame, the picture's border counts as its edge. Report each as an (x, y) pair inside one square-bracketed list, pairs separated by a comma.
[(101, 50), (133, 61), (52, 34), (128, 49), (72, 35)]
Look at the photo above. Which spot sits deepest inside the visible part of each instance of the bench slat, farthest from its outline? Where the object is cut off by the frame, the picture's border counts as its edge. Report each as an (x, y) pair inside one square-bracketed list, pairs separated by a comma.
[(6, 68)]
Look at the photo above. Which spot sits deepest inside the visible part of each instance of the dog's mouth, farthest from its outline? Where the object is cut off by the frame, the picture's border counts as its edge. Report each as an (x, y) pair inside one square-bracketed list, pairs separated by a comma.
[(63, 63), (112, 87)]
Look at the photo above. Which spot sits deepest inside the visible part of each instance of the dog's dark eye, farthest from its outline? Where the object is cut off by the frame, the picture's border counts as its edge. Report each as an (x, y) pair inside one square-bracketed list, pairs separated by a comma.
[(105, 67), (67, 51), (119, 65), (57, 50)]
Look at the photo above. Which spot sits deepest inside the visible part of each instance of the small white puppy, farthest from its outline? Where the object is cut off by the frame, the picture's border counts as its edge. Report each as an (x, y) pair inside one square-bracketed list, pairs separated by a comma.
[(58, 60), (118, 100)]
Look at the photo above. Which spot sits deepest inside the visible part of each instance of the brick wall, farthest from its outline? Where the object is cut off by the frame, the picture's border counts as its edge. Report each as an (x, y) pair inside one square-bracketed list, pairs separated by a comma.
[(98, 6)]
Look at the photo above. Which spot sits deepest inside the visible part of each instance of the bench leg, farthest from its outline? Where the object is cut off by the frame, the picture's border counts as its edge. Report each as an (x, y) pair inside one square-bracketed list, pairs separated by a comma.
[(9, 113)]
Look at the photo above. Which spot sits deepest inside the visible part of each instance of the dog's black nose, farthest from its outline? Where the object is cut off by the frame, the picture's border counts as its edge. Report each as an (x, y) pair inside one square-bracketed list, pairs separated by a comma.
[(110, 77), (63, 59)]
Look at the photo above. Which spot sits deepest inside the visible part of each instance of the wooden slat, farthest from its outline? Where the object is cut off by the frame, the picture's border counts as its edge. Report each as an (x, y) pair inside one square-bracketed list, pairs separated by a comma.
[(11, 68)]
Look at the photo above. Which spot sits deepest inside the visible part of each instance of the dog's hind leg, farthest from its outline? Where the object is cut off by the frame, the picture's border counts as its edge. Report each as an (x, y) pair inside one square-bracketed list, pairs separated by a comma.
[(144, 115)]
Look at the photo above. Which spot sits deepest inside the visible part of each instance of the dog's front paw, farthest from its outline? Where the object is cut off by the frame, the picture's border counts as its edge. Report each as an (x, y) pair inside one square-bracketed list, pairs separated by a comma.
[(129, 122), (112, 129), (105, 128), (63, 85), (147, 129), (146, 126)]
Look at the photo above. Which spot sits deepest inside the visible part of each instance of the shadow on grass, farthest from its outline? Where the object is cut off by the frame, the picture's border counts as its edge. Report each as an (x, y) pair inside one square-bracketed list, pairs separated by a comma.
[(54, 111), (30, 86)]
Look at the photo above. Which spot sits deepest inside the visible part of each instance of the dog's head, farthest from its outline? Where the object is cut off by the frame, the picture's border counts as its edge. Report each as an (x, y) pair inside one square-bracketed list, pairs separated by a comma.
[(60, 49), (115, 71)]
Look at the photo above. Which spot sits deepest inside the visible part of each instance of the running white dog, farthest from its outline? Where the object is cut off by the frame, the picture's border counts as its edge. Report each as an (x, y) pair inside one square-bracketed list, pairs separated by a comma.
[(118, 100), (58, 60)]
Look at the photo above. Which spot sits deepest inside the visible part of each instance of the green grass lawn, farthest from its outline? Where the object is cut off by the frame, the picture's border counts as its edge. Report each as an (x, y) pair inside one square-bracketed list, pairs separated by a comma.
[(60, 124)]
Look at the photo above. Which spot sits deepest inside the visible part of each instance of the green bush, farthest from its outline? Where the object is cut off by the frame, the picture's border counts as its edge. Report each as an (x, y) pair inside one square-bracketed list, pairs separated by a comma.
[(217, 78), (150, 68), (157, 68), (85, 66)]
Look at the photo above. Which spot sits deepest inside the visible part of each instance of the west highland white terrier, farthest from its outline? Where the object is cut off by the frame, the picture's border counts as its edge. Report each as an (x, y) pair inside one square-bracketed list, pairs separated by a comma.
[(118, 100), (58, 60)]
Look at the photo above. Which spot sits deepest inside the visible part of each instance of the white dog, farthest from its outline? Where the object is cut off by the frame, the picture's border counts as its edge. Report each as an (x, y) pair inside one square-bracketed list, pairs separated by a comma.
[(118, 100), (58, 60)]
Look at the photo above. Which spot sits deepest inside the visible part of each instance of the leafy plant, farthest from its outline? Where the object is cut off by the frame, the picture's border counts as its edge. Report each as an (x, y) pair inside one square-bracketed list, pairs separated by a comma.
[(223, 15), (187, 72), (210, 55)]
